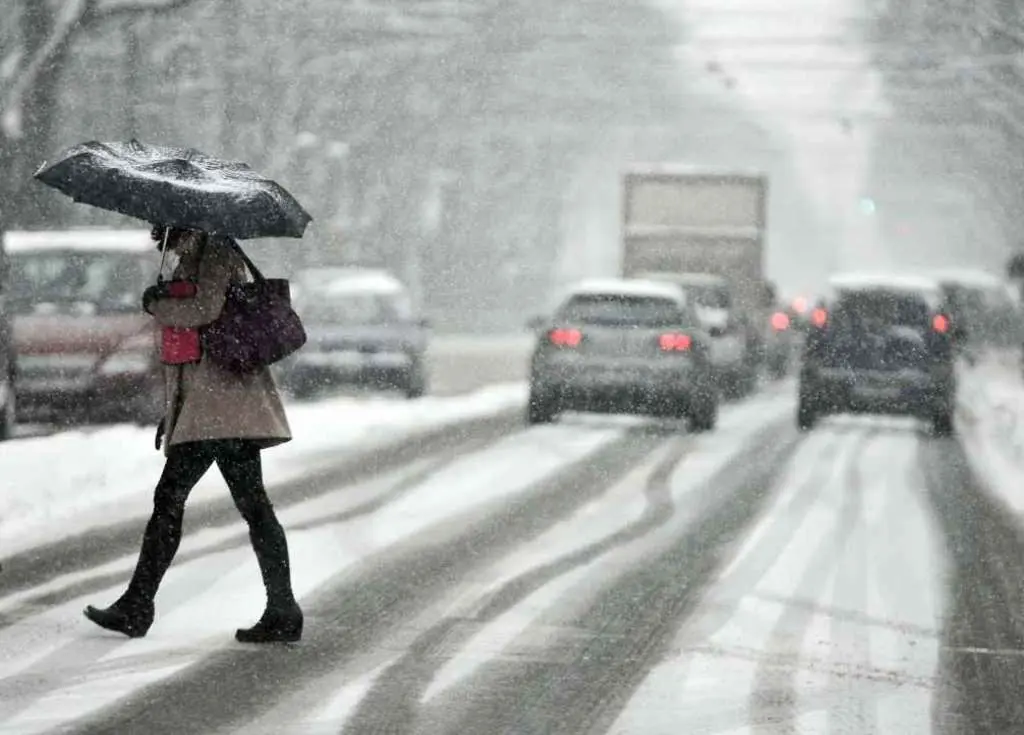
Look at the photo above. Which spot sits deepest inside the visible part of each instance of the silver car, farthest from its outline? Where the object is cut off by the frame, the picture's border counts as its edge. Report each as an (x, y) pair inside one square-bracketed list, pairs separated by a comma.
[(362, 330), (623, 346)]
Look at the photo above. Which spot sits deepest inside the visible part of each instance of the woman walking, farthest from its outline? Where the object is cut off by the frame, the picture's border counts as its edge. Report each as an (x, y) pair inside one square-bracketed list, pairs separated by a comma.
[(213, 416)]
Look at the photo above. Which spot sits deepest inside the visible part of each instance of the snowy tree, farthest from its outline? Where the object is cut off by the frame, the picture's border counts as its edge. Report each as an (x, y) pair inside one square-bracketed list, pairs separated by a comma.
[(34, 49)]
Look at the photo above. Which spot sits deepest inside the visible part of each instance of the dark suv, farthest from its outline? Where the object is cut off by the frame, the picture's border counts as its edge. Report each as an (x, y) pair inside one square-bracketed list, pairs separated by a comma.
[(880, 344)]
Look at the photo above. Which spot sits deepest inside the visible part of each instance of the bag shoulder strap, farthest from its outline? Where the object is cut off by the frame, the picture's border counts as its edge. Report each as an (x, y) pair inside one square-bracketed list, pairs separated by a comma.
[(256, 274)]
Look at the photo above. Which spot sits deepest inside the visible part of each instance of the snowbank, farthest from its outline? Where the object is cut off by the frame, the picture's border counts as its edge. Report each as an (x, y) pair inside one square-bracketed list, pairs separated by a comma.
[(992, 425), (93, 478)]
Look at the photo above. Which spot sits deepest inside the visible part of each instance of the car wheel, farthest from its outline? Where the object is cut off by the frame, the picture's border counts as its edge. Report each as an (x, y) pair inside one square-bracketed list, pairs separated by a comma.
[(807, 413), (705, 416), (416, 383), (9, 415), (728, 384), (780, 366), (942, 422), (540, 407)]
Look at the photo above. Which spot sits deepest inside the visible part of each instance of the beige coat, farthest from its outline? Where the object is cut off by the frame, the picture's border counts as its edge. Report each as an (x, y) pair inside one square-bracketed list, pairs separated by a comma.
[(216, 403)]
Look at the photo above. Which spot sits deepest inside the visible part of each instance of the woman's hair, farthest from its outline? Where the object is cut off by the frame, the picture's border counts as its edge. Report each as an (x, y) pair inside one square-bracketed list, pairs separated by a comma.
[(175, 235)]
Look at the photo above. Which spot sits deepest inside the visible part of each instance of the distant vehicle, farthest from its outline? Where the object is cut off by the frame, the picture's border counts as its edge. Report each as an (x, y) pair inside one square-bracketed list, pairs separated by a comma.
[(8, 413), (623, 346), (690, 223), (362, 330), (879, 343), (735, 345), (984, 310), (84, 347), (798, 310), (784, 339)]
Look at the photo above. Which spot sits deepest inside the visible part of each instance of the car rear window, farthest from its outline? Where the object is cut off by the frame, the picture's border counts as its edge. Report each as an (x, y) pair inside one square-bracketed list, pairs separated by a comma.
[(710, 297), (621, 310), (880, 308), (353, 309)]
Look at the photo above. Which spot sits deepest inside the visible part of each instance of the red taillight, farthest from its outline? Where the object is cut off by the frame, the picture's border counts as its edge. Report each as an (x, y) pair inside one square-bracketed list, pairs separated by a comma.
[(565, 337), (674, 342), (940, 323), (819, 317), (780, 321)]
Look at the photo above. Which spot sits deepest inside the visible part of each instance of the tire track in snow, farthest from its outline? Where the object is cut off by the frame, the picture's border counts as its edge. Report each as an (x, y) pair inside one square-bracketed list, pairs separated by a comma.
[(754, 558), (763, 548), (850, 696), (773, 701), (236, 685), (982, 654), (17, 692), (392, 704), (608, 647), (401, 486), (85, 551)]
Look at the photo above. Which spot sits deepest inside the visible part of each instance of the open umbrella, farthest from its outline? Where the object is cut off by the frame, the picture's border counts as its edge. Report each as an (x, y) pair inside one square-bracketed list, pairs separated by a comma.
[(179, 187)]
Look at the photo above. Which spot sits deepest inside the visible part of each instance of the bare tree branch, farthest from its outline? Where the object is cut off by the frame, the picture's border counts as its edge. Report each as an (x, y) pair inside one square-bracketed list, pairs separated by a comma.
[(74, 16), (112, 9), (63, 31)]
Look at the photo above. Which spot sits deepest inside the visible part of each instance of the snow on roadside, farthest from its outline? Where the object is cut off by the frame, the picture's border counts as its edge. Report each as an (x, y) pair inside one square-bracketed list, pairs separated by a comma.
[(992, 426), (100, 477)]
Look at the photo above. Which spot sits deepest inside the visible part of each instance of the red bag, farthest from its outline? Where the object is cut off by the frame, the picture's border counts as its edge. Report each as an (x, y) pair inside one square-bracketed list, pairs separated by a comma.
[(180, 345)]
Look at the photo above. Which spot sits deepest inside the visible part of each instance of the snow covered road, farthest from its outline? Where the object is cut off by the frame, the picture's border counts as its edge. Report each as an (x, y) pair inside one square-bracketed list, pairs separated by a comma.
[(464, 573), (602, 574)]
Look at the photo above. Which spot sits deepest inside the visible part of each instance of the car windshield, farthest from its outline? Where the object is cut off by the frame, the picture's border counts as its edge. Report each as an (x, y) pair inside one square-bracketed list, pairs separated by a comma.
[(880, 309), (621, 310), (709, 297), (85, 283), (356, 308)]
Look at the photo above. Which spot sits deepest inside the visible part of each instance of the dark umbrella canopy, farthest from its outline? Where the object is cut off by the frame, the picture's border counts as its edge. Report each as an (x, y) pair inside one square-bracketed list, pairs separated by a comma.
[(179, 187)]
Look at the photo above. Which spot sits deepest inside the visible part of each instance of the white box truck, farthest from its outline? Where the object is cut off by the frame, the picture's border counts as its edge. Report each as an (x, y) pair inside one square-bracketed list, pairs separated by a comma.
[(706, 230)]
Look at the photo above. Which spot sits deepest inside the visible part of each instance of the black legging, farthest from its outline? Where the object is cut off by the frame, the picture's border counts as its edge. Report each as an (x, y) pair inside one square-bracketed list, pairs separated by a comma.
[(239, 463)]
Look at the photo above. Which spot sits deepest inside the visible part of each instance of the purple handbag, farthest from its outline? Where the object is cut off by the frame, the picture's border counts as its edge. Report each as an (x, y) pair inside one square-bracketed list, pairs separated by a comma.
[(257, 326)]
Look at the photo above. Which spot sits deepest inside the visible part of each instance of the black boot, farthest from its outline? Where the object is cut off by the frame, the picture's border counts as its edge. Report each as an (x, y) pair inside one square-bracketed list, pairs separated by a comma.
[(129, 616), (278, 625), (282, 620)]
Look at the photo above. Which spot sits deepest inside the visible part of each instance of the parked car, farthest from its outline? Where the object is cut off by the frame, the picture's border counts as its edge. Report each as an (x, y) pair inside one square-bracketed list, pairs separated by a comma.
[(362, 330), (8, 413), (623, 346), (84, 348), (879, 344)]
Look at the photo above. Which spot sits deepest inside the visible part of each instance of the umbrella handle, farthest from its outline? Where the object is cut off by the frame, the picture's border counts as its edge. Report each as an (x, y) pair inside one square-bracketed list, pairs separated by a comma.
[(163, 256)]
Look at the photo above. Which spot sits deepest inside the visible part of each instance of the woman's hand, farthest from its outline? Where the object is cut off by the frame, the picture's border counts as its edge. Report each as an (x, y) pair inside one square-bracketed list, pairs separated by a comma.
[(153, 293)]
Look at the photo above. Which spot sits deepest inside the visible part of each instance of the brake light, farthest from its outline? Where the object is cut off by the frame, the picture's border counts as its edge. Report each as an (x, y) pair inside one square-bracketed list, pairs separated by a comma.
[(800, 305), (940, 323), (674, 342), (780, 321), (819, 317), (565, 337)]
